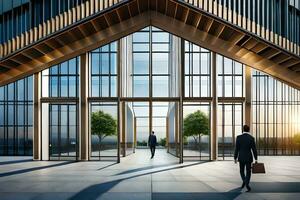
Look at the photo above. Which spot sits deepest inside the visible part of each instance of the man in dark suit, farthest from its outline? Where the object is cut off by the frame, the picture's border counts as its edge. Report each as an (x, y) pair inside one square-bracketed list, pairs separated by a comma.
[(152, 143), (244, 147)]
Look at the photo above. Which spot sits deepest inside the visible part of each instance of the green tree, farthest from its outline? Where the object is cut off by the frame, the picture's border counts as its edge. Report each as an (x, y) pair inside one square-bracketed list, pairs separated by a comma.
[(196, 125), (103, 125)]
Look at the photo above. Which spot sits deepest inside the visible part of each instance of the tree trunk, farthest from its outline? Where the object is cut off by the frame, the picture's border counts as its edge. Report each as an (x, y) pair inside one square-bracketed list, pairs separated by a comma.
[(100, 140), (200, 145), (196, 142)]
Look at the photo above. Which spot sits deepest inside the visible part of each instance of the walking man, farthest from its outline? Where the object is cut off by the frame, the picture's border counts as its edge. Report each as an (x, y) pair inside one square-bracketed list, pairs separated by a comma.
[(152, 143), (244, 147)]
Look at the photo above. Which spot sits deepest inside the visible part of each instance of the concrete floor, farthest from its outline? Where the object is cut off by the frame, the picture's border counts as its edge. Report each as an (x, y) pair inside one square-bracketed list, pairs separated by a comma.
[(139, 177)]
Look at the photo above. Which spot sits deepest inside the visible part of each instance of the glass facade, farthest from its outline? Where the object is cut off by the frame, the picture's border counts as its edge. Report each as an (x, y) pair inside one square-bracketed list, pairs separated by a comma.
[(141, 63), (148, 70), (61, 80), (197, 71), (230, 123), (16, 118), (104, 71), (18, 16), (275, 111), (103, 112), (60, 121), (151, 63), (230, 77)]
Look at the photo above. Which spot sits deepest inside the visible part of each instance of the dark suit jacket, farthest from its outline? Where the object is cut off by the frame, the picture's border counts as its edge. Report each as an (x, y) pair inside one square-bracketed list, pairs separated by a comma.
[(244, 145), (152, 140)]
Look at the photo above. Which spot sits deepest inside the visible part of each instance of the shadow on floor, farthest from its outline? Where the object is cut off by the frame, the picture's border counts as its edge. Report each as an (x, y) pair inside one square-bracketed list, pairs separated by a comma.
[(95, 191), (145, 168), (22, 171), (195, 195), (107, 166), (15, 161), (274, 187)]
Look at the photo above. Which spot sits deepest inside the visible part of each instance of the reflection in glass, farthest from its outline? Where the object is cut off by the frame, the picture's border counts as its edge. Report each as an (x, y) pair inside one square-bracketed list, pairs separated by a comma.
[(63, 131), (16, 118), (276, 108)]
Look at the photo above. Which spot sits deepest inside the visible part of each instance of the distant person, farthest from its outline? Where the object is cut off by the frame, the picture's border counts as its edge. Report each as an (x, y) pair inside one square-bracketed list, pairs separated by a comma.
[(244, 147), (152, 143)]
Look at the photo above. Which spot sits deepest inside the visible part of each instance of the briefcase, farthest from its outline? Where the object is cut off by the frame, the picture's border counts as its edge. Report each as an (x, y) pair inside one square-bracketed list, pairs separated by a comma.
[(258, 168)]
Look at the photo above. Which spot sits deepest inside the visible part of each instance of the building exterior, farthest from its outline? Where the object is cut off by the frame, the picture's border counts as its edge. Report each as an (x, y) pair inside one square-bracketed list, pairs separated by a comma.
[(148, 65)]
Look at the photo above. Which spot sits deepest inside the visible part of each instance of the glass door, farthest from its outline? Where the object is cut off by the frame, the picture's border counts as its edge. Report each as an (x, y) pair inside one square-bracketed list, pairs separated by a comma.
[(63, 132)]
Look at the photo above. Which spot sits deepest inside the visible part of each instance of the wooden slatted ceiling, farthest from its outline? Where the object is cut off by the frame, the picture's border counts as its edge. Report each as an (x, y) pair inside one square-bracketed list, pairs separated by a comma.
[(173, 16)]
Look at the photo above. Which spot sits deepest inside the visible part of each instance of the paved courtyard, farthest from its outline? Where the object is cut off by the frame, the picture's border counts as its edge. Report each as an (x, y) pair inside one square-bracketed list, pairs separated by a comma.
[(139, 177)]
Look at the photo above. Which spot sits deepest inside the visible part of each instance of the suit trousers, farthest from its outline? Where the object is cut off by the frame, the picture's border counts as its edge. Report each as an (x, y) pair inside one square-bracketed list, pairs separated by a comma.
[(246, 179), (152, 148)]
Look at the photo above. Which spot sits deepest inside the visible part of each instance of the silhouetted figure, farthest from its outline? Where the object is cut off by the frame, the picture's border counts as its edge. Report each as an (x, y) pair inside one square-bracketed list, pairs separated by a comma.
[(244, 147), (152, 143)]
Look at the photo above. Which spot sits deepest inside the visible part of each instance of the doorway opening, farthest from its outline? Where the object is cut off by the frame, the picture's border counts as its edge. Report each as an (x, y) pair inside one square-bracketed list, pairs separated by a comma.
[(140, 118)]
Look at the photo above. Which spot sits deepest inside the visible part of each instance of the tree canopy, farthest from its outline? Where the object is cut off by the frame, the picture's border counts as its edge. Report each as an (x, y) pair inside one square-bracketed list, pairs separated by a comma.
[(103, 124), (196, 124)]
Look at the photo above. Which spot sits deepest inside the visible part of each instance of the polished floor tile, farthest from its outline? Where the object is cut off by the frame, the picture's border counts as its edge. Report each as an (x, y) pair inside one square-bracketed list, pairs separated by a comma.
[(139, 177)]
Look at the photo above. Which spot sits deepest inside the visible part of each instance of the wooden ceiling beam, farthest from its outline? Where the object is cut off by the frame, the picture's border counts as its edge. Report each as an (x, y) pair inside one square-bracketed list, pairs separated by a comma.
[(225, 48), (76, 48)]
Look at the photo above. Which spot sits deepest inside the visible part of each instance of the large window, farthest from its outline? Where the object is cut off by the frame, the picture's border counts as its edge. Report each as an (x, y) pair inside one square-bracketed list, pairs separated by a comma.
[(60, 92), (104, 71), (103, 119), (275, 111), (230, 109), (197, 71), (230, 77), (141, 63), (61, 80), (151, 56), (230, 123), (160, 62), (16, 118)]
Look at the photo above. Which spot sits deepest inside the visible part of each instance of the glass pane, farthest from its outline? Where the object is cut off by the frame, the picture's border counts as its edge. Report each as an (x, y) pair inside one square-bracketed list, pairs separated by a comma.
[(113, 63), (160, 47), (160, 62), (141, 37), (227, 66), (104, 63), (141, 86), (160, 37), (140, 47), (95, 63), (95, 86), (160, 86), (140, 63)]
